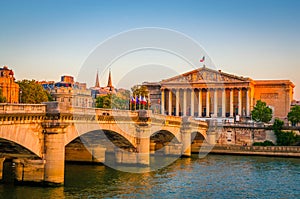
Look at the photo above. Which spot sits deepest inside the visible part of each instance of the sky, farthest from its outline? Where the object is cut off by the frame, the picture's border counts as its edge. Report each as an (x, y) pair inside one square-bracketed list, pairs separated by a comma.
[(43, 40)]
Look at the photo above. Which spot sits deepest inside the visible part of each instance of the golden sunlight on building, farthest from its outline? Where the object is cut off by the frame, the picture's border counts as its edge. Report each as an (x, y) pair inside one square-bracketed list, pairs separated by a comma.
[(8, 86), (209, 93)]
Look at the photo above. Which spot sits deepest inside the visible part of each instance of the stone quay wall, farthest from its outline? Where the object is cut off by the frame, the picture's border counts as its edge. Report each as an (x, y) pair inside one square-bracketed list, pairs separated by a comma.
[(281, 151)]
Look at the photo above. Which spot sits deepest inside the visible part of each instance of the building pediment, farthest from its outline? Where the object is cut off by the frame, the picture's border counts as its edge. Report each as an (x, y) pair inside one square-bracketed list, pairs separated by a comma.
[(205, 75)]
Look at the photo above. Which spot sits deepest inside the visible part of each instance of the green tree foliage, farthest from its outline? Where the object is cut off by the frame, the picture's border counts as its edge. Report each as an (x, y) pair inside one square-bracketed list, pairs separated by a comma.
[(2, 98), (285, 138), (265, 143), (261, 112), (138, 90), (32, 92), (294, 115), (103, 101), (278, 125), (120, 100)]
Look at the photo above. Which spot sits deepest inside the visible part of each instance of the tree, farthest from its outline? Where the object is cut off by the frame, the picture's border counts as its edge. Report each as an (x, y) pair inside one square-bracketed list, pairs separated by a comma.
[(285, 138), (294, 115), (103, 101), (278, 125), (32, 92), (119, 100), (138, 90), (261, 112), (2, 98)]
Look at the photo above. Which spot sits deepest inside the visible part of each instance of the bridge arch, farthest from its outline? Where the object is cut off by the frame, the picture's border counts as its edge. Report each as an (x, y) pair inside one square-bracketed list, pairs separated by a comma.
[(26, 135), (75, 131), (104, 138), (10, 149), (162, 138)]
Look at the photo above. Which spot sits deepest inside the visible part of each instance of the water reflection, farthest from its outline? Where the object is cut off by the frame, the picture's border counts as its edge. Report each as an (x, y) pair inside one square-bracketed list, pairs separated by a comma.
[(214, 176)]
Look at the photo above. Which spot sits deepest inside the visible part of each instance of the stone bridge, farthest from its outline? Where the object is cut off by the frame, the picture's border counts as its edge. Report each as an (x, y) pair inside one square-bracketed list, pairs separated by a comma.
[(37, 139)]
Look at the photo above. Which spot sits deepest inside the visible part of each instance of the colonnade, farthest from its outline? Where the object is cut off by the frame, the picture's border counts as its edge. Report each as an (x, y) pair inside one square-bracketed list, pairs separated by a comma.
[(207, 102)]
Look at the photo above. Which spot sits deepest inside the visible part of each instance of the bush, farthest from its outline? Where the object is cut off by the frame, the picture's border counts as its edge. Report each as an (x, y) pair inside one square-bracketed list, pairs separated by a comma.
[(265, 143), (286, 138)]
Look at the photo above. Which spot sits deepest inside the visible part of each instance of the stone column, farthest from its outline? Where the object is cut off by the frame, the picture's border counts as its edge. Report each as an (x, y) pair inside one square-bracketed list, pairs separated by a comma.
[(184, 102), (162, 102), (223, 103), (215, 102), (170, 102), (192, 102), (251, 99), (186, 142), (207, 103), (240, 102), (247, 103), (54, 153), (200, 103), (143, 145), (231, 102), (177, 102)]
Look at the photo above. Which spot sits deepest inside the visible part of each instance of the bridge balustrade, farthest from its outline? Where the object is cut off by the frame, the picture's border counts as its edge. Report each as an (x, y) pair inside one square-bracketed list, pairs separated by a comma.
[(22, 108)]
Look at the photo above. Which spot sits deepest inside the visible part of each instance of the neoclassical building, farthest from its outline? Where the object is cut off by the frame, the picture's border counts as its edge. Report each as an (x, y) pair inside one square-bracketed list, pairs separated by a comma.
[(212, 93)]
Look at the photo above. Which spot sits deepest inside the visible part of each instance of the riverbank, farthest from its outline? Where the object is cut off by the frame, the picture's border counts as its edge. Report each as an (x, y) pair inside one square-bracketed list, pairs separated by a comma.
[(279, 151)]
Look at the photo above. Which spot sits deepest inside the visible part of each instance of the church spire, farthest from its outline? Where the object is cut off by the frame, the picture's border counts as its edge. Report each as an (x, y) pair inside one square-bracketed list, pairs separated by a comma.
[(97, 84), (109, 83)]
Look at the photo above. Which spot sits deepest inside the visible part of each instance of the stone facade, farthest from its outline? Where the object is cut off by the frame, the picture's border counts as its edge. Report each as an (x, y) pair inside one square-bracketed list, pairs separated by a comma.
[(10, 89), (209, 93), (278, 94), (69, 93), (243, 135)]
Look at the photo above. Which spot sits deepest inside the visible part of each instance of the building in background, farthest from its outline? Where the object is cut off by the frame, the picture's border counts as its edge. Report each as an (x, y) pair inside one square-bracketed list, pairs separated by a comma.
[(97, 90), (69, 93), (209, 93), (8, 86)]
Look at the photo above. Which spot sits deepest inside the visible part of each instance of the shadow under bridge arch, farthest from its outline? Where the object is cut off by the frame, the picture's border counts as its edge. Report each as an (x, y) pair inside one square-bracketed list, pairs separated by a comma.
[(162, 140), (197, 140), (94, 145)]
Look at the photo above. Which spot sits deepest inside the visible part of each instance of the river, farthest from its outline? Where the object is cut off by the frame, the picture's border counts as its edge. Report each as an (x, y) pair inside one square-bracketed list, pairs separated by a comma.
[(215, 176)]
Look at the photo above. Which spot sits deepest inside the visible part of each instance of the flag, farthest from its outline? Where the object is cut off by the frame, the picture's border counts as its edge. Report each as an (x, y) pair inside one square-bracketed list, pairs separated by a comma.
[(203, 59), (132, 100), (144, 100), (137, 100)]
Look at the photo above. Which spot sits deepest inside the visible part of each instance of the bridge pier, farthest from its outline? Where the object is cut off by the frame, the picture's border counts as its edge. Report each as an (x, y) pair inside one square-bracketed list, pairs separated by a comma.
[(173, 149), (54, 154), (186, 142), (27, 170), (143, 148), (125, 157), (143, 145)]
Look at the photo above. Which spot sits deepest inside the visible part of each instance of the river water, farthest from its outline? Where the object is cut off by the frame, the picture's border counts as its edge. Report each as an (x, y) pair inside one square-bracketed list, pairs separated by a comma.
[(215, 176)]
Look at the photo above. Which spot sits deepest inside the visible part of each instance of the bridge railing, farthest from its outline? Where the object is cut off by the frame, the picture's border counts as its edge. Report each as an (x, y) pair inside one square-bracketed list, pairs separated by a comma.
[(22, 108), (55, 107)]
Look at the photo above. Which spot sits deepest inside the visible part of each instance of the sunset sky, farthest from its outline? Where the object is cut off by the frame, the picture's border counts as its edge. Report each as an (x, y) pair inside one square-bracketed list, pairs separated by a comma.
[(43, 40)]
